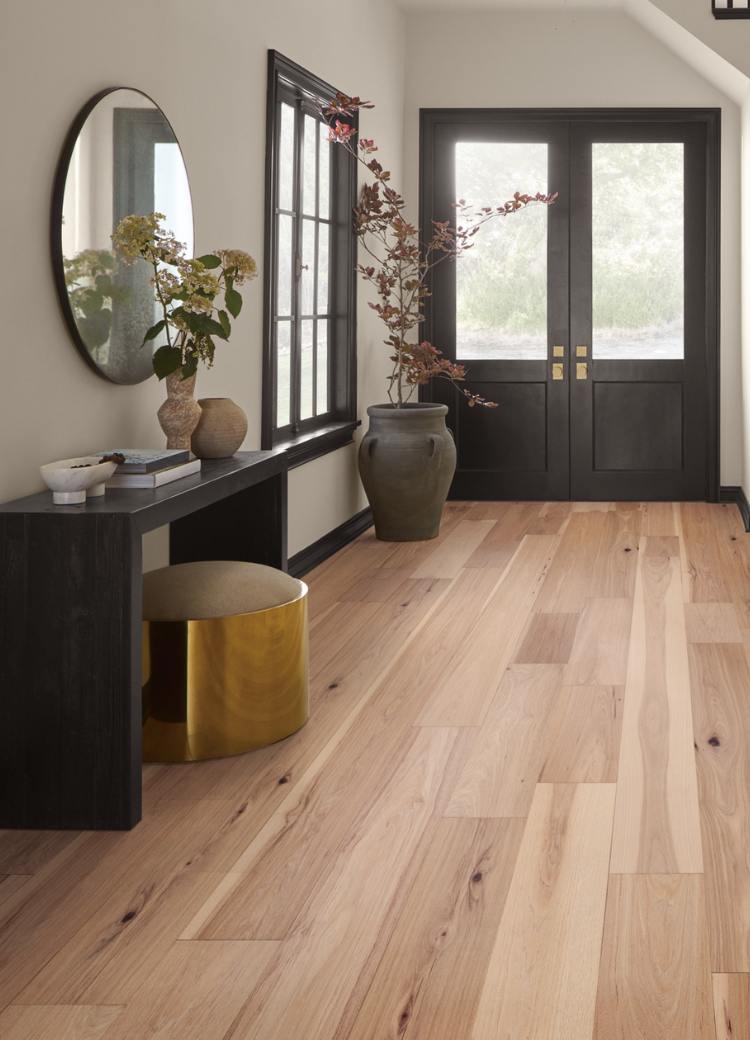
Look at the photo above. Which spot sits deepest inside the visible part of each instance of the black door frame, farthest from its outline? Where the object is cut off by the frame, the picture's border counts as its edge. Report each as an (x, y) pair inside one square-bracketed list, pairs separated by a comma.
[(431, 119)]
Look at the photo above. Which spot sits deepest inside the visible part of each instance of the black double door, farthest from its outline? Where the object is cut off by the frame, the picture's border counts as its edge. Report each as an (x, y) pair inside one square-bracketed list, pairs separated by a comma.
[(593, 322)]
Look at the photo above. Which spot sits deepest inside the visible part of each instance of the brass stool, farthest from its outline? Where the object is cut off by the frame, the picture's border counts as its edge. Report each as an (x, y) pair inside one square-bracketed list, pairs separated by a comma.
[(225, 659)]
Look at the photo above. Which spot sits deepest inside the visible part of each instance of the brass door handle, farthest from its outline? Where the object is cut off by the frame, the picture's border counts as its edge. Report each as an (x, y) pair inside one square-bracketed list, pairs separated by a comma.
[(558, 370), (582, 370)]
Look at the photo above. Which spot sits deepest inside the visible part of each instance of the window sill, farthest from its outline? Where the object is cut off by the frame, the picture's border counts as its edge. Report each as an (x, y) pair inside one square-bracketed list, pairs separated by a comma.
[(312, 445)]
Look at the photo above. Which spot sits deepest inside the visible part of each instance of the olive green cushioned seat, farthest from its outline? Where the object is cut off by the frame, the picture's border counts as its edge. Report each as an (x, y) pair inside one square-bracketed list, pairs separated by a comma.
[(225, 659), (214, 588)]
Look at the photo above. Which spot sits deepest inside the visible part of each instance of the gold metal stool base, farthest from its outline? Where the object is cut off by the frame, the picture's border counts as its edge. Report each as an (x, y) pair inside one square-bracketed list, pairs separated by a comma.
[(226, 685)]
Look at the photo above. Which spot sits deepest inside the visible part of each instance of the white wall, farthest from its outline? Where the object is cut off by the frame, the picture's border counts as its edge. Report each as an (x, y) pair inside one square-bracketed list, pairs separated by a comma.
[(206, 67), (583, 58)]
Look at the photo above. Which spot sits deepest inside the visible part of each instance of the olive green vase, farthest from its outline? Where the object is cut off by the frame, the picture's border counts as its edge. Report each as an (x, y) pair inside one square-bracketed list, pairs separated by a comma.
[(407, 460)]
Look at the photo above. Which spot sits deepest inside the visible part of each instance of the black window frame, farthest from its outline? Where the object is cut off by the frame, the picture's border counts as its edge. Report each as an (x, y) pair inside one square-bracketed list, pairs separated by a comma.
[(305, 439)]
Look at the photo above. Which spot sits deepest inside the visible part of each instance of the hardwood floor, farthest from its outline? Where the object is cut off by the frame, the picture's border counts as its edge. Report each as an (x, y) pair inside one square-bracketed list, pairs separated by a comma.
[(520, 811)]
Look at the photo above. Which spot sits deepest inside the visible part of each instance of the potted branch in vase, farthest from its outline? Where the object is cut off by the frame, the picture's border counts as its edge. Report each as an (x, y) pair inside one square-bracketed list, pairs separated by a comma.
[(196, 297), (407, 458)]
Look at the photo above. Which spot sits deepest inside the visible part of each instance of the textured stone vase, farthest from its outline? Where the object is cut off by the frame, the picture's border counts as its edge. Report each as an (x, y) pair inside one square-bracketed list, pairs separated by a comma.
[(221, 429), (180, 413), (407, 460)]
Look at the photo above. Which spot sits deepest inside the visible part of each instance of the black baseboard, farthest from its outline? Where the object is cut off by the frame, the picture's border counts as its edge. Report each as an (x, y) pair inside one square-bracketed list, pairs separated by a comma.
[(306, 559), (739, 498)]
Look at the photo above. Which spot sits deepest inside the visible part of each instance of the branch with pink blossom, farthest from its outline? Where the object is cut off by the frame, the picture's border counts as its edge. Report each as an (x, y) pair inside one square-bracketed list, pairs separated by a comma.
[(400, 263)]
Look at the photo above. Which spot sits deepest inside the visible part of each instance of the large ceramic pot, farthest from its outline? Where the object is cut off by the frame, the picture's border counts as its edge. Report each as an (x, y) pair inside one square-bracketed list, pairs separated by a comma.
[(221, 429), (180, 413), (407, 460)]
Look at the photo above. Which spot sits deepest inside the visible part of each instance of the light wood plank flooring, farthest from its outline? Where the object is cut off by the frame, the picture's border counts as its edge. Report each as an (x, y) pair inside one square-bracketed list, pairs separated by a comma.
[(520, 811)]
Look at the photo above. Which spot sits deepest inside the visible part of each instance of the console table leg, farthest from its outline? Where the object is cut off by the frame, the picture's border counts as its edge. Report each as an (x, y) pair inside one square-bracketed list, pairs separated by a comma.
[(70, 706)]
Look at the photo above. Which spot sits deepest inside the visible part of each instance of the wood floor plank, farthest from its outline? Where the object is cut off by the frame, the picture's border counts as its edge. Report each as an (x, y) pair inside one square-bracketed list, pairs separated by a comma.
[(542, 977), (548, 639), (308, 986), (10, 884), (280, 870), (512, 521), (615, 561), (507, 754), (197, 992), (57, 1022), (568, 583), (721, 680), (423, 986), (662, 545), (712, 623), (449, 558), (655, 980), (582, 735), (657, 827), (599, 654), (732, 1006), (658, 519), (704, 576), (465, 689), (26, 852), (552, 518)]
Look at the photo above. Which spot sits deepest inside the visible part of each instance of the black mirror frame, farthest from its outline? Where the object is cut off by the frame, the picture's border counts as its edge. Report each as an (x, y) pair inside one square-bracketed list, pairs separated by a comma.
[(58, 196)]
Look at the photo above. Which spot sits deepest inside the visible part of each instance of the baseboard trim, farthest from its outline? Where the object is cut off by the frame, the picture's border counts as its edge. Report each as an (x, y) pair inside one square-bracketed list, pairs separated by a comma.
[(739, 498), (330, 543)]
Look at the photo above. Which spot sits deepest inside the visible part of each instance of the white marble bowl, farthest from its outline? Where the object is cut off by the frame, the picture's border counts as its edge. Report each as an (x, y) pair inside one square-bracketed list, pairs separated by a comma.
[(70, 485)]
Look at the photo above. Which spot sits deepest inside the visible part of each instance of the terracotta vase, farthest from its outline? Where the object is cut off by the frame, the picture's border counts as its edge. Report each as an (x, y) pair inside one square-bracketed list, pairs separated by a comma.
[(180, 413), (221, 429)]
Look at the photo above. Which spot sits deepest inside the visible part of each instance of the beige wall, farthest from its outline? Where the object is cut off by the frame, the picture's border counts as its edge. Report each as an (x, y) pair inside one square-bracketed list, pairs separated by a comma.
[(580, 58), (205, 64)]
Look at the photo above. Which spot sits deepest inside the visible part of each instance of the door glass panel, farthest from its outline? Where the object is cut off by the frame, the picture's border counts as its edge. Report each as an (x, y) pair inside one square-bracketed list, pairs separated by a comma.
[(501, 282), (638, 250)]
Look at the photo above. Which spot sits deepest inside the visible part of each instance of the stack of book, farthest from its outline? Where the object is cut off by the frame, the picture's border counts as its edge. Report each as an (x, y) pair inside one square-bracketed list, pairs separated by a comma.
[(146, 468)]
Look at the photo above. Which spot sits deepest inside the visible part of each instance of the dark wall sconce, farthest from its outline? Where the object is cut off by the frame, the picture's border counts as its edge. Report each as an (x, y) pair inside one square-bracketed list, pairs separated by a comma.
[(731, 8)]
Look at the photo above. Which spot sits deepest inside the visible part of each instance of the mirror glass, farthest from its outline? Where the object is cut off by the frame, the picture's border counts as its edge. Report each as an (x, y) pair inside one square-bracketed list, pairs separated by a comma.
[(122, 157)]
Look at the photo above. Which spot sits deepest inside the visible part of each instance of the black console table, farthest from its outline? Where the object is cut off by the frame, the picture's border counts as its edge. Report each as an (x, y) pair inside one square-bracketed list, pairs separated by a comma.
[(70, 630)]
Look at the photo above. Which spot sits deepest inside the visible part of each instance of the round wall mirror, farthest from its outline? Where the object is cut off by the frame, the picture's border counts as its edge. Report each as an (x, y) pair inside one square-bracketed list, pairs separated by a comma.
[(121, 157)]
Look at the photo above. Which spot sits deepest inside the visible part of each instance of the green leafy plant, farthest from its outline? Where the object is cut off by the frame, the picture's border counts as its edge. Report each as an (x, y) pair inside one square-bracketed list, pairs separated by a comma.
[(89, 278), (198, 296)]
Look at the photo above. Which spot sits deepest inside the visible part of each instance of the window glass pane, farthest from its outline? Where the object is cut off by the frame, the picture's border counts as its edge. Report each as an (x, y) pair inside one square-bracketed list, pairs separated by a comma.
[(307, 273), (324, 233), (306, 374), (310, 165), (638, 250), (324, 173), (286, 156), (501, 282), (322, 388), (283, 372), (284, 275)]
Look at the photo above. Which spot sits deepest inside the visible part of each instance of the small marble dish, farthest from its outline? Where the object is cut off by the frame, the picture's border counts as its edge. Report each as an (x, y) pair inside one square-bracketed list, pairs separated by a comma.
[(71, 480)]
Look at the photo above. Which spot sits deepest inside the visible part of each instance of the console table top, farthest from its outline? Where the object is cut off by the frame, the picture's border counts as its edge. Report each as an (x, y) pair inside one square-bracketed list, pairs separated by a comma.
[(150, 508)]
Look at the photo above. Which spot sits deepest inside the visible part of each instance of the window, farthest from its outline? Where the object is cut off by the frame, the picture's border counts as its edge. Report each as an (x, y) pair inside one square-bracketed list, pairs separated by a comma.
[(309, 384)]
